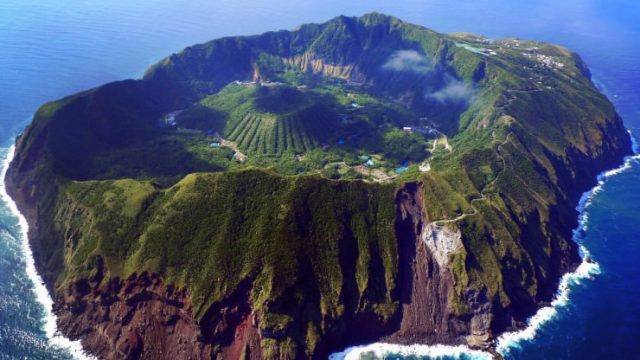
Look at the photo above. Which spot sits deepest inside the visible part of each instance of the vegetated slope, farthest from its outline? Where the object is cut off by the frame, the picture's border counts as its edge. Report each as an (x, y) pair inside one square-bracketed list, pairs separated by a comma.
[(274, 120), (131, 219), (277, 118), (307, 257)]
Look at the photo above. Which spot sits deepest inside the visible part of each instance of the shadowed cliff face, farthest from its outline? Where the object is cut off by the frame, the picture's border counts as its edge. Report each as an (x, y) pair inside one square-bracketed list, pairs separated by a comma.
[(144, 318), (300, 266), (425, 288)]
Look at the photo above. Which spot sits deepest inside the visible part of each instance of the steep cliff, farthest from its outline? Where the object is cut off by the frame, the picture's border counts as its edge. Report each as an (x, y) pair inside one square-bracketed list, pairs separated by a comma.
[(220, 208)]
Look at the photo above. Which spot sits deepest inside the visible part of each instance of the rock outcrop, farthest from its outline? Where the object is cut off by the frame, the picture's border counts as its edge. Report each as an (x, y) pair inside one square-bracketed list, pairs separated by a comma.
[(425, 286), (137, 318), (309, 62), (177, 259)]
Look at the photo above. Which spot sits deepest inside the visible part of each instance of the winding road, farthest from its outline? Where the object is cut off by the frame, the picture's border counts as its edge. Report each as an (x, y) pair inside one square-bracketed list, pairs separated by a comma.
[(482, 192), (504, 166)]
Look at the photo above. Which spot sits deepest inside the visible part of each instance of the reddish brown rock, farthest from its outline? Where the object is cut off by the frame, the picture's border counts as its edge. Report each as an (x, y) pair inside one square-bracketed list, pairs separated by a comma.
[(425, 287), (136, 318)]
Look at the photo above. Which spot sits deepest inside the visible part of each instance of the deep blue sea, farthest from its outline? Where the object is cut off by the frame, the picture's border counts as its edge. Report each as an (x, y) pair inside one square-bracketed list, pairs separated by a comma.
[(51, 48)]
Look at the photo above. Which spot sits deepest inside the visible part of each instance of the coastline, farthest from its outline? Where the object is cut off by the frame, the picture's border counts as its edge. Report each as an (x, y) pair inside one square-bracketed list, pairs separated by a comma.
[(54, 337), (507, 341), (503, 343)]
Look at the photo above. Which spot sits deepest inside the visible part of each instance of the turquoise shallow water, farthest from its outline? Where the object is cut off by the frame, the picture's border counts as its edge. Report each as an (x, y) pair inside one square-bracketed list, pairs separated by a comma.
[(49, 49)]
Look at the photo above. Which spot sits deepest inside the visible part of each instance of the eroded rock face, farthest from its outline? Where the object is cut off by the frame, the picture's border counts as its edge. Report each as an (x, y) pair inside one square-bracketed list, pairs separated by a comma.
[(143, 318), (441, 240), (425, 285), (136, 318), (309, 62), (480, 335)]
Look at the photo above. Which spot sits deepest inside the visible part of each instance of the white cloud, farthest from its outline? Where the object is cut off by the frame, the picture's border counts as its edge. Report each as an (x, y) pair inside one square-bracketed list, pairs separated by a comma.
[(408, 60), (454, 90)]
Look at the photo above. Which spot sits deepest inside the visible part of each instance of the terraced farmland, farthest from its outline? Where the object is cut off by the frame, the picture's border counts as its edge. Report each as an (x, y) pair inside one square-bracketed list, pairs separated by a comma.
[(261, 133)]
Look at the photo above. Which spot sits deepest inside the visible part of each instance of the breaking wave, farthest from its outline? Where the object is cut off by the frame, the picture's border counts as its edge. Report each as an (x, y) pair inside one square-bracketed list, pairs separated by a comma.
[(587, 269), (384, 350), (54, 337)]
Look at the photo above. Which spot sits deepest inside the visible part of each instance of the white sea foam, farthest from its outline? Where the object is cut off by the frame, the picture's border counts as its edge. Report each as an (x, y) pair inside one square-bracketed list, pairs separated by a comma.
[(382, 350), (586, 270), (55, 338), (512, 340)]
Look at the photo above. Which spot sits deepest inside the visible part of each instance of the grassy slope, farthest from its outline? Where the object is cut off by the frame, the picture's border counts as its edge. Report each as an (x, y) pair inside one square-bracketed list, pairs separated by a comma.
[(292, 239), (306, 237), (515, 143), (269, 122)]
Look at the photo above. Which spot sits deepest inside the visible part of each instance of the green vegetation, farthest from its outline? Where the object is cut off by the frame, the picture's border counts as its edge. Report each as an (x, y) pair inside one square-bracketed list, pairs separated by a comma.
[(290, 237), (270, 123), (271, 163)]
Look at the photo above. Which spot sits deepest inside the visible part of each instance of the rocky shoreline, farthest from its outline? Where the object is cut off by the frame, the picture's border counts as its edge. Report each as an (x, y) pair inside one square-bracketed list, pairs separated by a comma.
[(116, 320), (277, 266)]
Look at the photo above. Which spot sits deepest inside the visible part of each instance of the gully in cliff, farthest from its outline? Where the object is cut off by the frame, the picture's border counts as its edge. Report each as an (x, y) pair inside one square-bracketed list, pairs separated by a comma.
[(156, 244)]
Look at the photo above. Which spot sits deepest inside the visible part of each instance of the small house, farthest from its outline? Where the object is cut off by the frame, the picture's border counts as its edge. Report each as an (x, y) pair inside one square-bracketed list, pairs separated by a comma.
[(407, 129), (369, 163), (215, 144)]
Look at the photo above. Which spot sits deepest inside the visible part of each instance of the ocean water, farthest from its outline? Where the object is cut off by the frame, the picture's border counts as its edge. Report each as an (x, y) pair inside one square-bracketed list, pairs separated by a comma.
[(49, 49)]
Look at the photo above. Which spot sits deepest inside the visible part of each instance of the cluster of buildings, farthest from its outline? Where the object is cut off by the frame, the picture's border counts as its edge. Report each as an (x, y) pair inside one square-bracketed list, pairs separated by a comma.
[(545, 60), (424, 130), (510, 43)]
